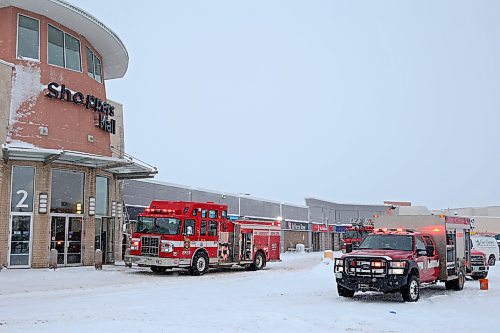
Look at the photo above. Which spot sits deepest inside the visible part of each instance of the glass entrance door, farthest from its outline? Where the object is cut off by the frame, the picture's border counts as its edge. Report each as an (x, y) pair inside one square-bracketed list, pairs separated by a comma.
[(66, 238), (20, 241), (104, 238)]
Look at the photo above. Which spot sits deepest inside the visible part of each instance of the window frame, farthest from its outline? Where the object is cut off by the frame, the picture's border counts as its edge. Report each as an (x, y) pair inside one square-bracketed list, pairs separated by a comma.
[(94, 58), (209, 224), (64, 49), (17, 38)]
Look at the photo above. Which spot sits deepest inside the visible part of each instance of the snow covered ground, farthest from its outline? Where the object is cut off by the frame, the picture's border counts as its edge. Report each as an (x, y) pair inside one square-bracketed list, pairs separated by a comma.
[(295, 295)]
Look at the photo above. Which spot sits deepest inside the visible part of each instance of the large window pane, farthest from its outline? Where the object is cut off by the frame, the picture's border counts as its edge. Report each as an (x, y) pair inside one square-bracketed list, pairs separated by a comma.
[(97, 69), (28, 38), (22, 189), (102, 190), (56, 46), (73, 60), (90, 63), (67, 192)]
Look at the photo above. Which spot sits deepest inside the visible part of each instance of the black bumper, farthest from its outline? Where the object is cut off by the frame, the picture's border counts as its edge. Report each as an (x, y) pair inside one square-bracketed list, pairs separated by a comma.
[(383, 284)]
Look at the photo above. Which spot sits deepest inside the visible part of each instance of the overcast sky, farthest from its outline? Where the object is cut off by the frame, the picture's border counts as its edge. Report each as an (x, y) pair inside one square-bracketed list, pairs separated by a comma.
[(349, 101)]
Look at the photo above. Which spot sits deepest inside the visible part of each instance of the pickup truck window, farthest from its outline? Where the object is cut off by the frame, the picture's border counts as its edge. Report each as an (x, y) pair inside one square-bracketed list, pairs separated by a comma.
[(420, 243), (387, 242)]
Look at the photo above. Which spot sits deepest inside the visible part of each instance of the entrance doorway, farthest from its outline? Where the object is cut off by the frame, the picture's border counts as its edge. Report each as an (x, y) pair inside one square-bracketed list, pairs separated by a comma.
[(316, 241), (104, 238), (20, 240), (66, 238)]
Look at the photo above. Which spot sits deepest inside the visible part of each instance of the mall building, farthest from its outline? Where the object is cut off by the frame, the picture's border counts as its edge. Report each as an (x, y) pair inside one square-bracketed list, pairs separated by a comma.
[(62, 140), (317, 225)]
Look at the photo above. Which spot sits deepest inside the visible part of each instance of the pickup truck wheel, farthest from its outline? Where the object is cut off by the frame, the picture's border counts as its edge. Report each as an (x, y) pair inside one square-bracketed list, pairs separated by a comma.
[(200, 264), (411, 292), (491, 260), (344, 292)]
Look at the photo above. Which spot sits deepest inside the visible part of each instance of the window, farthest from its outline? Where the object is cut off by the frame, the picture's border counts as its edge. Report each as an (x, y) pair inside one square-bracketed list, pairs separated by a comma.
[(101, 195), (167, 226), (212, 214), (23, 184), (195, 211), (203, 229), (63, 49), (189, 227), (224, 214), (203, 213), (420, 244), (387, 242), (93, 66), (28, 38), (186, 209), (67, 192), (212, 228), (429, 245)]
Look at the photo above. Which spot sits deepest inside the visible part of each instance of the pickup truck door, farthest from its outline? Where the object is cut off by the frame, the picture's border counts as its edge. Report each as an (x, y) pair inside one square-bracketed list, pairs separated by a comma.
[(423, 260), (433, 258)]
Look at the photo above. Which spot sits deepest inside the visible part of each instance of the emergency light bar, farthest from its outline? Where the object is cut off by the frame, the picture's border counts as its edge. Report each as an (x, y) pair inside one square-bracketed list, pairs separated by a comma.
[(395, 230)]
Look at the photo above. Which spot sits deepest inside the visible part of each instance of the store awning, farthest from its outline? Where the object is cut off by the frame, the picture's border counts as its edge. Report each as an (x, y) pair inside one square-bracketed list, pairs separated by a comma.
[(121, 168)]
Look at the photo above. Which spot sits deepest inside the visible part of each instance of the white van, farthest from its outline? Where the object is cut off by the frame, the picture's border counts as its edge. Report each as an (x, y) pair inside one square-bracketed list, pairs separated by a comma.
[(488, 245)]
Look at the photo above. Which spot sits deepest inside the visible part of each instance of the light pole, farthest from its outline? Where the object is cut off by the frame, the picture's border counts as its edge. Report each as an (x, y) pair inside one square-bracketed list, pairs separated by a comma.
[(239, 202)]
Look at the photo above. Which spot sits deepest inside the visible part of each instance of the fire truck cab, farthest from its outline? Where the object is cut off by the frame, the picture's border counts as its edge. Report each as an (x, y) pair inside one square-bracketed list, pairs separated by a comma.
[(405, 252), (355, 233), (197, 236)]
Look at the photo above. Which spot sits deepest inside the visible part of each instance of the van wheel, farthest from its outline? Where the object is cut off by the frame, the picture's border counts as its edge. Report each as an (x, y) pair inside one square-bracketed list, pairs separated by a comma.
[(344, 292), (480, 276), (411, 292), (200, 264), (491, 260)]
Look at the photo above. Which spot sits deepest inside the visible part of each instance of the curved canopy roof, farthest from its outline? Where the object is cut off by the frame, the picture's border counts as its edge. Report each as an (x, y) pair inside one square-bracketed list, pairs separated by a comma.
[(102, 38)]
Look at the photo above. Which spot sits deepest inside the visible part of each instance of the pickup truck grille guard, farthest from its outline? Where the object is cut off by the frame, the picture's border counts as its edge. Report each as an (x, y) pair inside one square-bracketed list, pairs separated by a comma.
[(366, 267)]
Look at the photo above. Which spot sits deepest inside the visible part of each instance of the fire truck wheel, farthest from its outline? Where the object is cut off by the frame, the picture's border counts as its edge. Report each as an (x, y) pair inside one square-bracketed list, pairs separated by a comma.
[(158, 269), (258, 264), (456, 284), (200, 264), (411, 292), (344, 292), (491, 260)]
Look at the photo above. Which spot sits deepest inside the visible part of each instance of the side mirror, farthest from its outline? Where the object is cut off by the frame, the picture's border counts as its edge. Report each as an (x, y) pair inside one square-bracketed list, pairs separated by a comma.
[(348, 248), (421, 253)]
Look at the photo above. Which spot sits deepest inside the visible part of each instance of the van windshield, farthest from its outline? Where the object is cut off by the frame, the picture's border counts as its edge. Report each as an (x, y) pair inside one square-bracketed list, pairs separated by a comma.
[(388, 242), (160, 225)]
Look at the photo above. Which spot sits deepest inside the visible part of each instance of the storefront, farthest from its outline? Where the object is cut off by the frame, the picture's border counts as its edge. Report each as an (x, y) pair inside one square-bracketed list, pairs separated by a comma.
[(295, 233), (321, 239), (62, 140)]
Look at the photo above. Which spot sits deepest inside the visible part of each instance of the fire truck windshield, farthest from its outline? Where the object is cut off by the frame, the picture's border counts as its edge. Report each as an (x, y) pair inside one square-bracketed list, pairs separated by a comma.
[(160, 225), (387, 242), (354, 234)]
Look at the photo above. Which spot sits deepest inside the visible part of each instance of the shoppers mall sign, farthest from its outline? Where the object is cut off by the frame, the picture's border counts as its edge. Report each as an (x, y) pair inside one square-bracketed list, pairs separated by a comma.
[(103, 109)]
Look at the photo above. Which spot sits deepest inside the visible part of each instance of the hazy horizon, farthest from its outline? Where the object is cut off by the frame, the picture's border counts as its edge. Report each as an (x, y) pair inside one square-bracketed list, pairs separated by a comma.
[(346, 101)]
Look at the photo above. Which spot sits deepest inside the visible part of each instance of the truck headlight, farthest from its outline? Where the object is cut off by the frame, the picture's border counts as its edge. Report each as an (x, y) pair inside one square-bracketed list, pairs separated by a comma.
[(167, 247), (339, 265), (397, 264), (134, 244), (397, 271)]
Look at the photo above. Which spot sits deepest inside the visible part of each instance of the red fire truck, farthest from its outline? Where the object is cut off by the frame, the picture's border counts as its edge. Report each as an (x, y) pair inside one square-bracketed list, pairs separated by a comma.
[(355, 233), (197, 236), (405, 252)]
